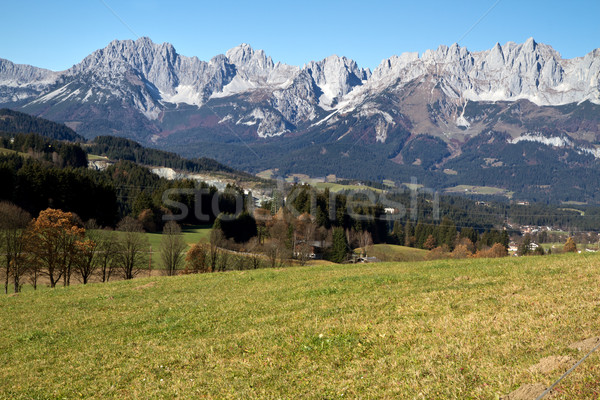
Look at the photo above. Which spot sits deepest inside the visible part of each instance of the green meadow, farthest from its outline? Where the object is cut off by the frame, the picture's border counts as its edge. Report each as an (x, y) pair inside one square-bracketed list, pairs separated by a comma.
[(446, 329), (191, 235), (390, 252)]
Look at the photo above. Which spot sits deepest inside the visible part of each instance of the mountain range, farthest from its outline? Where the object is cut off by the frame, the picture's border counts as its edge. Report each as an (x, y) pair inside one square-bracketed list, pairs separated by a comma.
[(448, 116)]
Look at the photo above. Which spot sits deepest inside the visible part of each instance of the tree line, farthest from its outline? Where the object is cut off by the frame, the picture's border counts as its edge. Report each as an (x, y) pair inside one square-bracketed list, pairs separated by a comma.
[(412, 229), (123, 189), (51, 164), (60, 153), (116, 148), (56, 246), (312, 223), (17, 122)]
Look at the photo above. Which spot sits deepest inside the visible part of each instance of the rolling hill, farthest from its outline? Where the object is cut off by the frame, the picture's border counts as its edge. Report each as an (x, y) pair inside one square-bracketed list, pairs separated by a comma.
[(443, 329)]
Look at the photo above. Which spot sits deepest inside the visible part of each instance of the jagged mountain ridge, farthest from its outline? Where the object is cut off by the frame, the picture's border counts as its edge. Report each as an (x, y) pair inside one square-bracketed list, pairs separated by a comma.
[(20, 82), (145, 79), (221, 107)]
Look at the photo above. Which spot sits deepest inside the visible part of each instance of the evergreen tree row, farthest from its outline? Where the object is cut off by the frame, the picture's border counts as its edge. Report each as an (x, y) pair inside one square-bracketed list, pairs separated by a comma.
[(18, 122)]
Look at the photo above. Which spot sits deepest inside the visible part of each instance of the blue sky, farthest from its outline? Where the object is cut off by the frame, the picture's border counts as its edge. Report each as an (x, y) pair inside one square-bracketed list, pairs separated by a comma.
[(57, 34)]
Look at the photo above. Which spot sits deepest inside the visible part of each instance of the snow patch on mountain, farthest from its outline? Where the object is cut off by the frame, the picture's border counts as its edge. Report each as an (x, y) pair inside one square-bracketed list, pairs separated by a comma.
[(381, 129), (370, 110), (595, 151), (554, 141), (269, 123), (276, 98), (461, 120), (89, 94), (325, 119), (184, 94), (226, 118)]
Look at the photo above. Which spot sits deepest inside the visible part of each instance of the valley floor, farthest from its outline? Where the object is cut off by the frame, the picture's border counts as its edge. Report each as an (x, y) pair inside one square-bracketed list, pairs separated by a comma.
[(451, 329)]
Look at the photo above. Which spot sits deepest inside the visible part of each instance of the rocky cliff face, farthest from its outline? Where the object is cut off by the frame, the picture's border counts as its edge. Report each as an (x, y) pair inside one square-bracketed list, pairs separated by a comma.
[(335, 77), (19, 82), (133, 84)]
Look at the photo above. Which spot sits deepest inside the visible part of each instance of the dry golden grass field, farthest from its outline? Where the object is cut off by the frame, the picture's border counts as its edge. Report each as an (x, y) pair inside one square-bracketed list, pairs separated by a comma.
[(448, 329)]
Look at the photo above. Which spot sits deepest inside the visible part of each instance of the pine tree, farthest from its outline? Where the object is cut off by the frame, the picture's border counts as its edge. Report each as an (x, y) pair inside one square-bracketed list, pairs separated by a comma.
[(408, 234), (398, 233), (447, 233), (505, 239), (276, 202), (339, 248)]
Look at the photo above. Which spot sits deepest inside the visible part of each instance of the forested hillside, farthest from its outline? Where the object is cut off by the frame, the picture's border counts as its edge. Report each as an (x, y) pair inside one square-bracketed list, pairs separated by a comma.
[(116, 148), (60, 153), (18, 132), (36, 185), (18, 122)]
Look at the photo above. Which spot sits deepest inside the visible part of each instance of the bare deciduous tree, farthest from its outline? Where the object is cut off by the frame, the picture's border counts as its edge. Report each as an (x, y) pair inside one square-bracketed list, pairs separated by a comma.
[(303, 252), (223, 262), (276, 247), (254, 259), (13, 221), (365, 242), (352, 237), (133, 248), (216, 240), (172, 248), (107, 253), (304, 236), (87, 260)]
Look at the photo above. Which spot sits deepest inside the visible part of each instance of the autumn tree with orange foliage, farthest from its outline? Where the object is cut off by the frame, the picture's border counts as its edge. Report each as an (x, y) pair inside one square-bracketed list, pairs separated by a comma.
[(197, 258), (496, 251), (52, 240), (430, 243), (570, 246), (460, 251)]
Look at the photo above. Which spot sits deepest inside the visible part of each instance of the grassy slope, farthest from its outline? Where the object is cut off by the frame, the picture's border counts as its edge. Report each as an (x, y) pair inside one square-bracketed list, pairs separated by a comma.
[(8, 151), (191, 235), (337, 187), (486, 190), (94, 157), (442, 329), (390, 252)]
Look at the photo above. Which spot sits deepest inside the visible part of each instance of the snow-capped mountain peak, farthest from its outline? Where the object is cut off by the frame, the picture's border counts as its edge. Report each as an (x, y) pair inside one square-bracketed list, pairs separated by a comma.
[(147, 77), (335, 76), (245, 55)]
